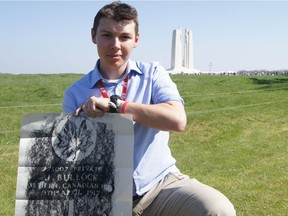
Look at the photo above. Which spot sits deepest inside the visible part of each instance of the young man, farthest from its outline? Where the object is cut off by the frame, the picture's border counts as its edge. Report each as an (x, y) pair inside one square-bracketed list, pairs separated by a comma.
[(145, 91)]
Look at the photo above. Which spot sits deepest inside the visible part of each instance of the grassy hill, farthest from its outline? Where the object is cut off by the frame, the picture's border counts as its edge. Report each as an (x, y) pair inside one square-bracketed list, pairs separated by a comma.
[(235, 139)]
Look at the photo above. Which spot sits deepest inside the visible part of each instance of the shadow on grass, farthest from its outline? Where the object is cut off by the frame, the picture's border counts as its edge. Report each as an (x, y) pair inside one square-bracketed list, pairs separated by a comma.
[(270, 84), (269, 81)]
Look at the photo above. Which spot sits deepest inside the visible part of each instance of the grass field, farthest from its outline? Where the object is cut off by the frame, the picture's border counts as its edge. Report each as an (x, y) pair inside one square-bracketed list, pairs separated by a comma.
[(236, 139)]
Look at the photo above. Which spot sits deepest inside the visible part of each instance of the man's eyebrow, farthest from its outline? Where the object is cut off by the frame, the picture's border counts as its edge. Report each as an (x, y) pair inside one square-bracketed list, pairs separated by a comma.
[(126, 33), (105, 31), (110, 32)]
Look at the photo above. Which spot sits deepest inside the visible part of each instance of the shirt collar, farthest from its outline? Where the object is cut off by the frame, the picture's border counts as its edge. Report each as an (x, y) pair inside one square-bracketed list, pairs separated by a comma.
[(96, 75)]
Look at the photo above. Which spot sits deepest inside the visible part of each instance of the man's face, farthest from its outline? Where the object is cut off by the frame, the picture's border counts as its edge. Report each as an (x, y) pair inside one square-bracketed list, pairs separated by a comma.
[(115, 42)]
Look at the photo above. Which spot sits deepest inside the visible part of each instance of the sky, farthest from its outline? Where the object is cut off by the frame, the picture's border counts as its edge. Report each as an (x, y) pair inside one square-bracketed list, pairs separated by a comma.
[(54, 36)]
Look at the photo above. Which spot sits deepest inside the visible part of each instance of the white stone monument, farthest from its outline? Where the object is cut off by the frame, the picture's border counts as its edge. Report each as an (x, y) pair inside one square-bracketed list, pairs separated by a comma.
[(176, 54), (188, 50), (179, 64)]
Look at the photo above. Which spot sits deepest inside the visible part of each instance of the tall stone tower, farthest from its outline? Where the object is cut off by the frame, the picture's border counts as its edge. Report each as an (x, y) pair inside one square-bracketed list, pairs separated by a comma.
[(176, 55), (188, 50), (177, 62)]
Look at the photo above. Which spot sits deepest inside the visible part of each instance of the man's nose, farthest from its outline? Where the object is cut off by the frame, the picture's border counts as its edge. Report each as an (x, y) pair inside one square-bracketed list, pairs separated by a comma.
[(116, 43)]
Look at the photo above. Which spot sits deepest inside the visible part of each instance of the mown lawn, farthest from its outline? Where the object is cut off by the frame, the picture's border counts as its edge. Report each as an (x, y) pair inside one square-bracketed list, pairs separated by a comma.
[(235, 139)]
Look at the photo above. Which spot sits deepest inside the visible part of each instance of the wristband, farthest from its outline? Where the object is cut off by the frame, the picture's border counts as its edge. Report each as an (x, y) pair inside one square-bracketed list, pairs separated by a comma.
[(113, 104), (124, 107)]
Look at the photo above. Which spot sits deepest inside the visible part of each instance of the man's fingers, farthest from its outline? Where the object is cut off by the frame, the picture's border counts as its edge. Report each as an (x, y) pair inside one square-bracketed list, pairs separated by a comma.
[(91, 108), (77, 112)]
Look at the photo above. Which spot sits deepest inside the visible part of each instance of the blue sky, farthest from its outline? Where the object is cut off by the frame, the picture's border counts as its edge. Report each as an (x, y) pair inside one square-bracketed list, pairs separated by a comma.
[(54, 36)]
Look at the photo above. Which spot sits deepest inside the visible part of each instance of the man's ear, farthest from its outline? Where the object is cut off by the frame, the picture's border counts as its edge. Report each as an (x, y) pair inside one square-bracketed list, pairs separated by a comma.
[(136, 40), (93, 36)]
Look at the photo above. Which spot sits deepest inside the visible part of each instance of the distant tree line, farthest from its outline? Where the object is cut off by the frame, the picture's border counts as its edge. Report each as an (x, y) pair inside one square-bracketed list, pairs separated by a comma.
[(261, 72), (244, 73)]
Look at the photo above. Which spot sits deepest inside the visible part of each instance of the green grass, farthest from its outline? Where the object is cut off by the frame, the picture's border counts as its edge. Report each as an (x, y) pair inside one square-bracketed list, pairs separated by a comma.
[(235, 139)]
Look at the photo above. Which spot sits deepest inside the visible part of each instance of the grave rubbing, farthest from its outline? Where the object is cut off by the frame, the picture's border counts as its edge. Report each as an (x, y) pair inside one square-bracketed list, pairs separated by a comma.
[(75, 165)]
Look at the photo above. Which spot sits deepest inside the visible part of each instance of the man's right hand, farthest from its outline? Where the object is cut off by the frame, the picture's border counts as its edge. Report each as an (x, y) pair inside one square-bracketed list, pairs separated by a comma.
[(94, 107)]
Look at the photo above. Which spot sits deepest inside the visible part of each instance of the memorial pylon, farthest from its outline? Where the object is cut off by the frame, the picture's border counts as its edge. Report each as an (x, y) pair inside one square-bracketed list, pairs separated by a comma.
[(176, 54), (179, 64)]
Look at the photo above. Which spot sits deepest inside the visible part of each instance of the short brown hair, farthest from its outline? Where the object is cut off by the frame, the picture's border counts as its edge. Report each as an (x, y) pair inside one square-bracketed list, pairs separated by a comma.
[(117, 11)]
